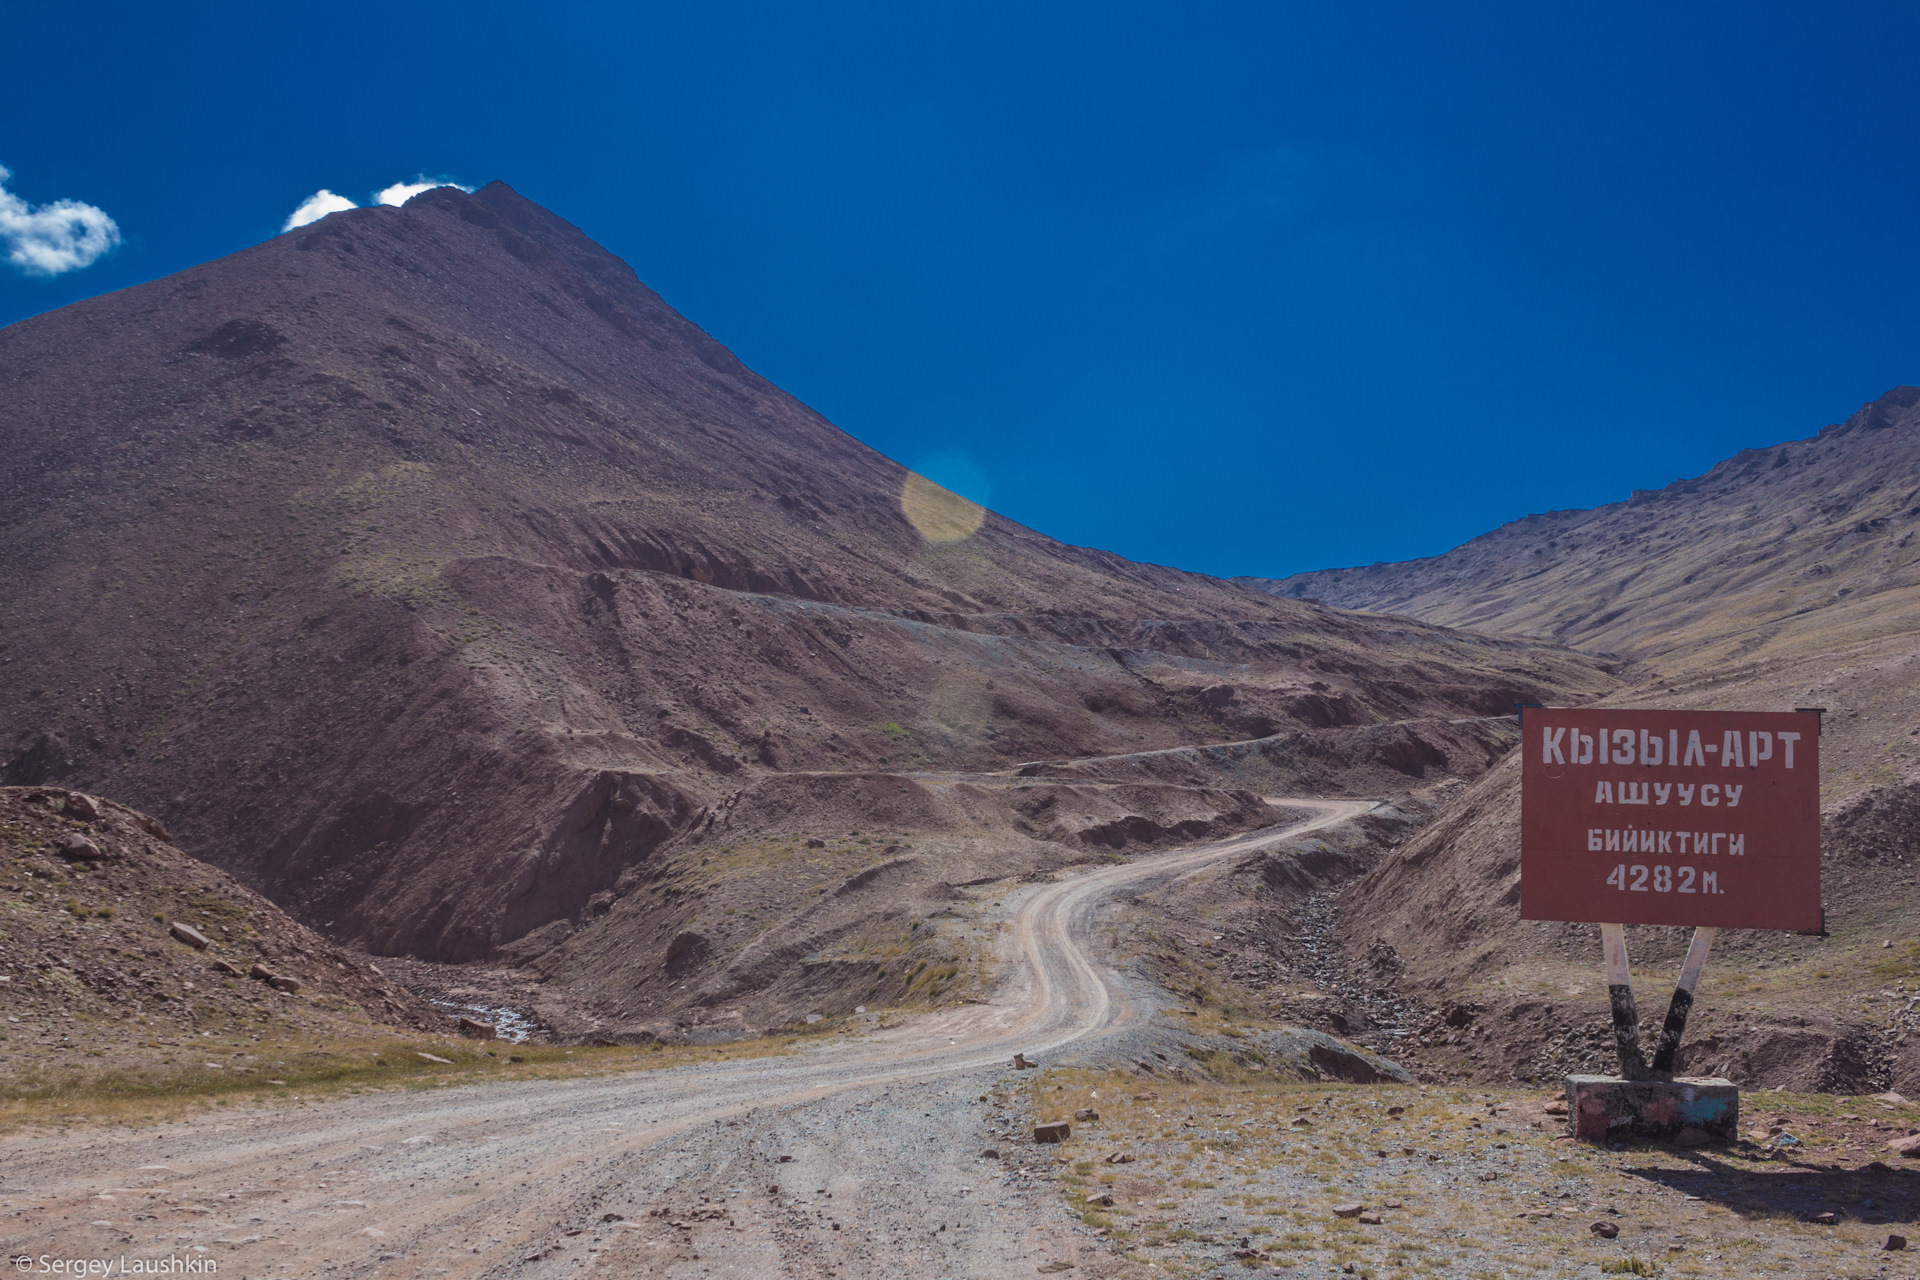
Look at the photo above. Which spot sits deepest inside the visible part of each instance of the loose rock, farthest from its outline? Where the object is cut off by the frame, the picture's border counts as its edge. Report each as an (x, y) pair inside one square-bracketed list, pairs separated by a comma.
[(429, 1057), (83, 807), (189, 935), (1371, 1219), (1020, 1063), (289, 985), (475, 1029), (1086, 1113), (75, 845), (1893, 1244), (1120, 1157), (1604, 1229), (228, 968), (1348, 1210), (1825, 1219), (1058, 1131), (1907, 1146)]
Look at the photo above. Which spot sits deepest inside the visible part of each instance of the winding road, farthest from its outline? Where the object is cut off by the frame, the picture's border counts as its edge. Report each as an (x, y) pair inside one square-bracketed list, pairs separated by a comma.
[(850, 1158)]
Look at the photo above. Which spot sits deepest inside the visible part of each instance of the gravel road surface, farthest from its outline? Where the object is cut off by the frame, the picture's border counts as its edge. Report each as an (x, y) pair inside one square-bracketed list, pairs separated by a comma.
[(855, 1157)]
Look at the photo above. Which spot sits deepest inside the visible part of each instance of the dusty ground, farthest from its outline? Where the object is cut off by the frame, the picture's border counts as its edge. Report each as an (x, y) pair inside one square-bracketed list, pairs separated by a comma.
[(883, 1132), (1468, 1183)]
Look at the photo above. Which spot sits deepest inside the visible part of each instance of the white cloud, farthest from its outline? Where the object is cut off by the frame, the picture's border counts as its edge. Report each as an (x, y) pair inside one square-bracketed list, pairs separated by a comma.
[(317, 206), (401, 192), (63, 236), (323, 202)]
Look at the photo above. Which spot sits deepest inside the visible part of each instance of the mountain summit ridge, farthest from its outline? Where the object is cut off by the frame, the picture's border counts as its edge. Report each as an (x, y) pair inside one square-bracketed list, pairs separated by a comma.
[(1772, 547)]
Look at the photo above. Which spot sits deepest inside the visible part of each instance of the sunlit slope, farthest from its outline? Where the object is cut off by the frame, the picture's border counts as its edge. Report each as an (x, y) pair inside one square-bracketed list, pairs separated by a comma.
[(1803, 547)]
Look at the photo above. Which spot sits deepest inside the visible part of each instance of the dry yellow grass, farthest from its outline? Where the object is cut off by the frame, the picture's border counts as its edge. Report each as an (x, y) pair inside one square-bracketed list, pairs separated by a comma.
[(306, 1071)]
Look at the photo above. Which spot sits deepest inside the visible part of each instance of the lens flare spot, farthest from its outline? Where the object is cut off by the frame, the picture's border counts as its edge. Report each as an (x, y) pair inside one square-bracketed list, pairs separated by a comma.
[(940, 514)]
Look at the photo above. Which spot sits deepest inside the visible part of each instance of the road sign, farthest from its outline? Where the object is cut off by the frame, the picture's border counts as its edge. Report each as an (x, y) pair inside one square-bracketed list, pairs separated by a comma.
[(1671, 817)]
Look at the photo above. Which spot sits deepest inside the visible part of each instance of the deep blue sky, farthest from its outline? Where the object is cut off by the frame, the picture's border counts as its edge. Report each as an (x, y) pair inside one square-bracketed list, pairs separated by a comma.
[(1241, 288)]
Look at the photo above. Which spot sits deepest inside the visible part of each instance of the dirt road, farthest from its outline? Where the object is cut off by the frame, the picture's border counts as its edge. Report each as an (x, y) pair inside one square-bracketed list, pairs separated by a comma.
[(851, 1158)]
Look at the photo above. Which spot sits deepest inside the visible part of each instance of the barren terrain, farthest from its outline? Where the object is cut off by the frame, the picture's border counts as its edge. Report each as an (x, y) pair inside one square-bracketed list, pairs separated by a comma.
[(905, 1147), (438, 583), (1784, 577), (860, 1152), (425, 571)]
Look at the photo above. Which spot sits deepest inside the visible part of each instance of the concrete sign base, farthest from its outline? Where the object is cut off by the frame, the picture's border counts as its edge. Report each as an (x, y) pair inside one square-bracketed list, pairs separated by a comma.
[(1686, 1109)]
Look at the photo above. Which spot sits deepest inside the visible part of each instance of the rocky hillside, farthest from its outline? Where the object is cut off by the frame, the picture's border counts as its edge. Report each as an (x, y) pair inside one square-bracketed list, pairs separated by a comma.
[(112, 941), (1784, 577), (427, 572), (1807, 544)]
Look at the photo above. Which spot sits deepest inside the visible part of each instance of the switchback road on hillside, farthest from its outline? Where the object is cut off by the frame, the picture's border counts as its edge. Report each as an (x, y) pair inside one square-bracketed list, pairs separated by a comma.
[(851, 1158)]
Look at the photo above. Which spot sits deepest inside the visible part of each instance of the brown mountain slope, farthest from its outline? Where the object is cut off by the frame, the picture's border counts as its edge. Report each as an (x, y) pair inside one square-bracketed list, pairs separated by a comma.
[(1801, 546), (1784, 577), (427, 571)]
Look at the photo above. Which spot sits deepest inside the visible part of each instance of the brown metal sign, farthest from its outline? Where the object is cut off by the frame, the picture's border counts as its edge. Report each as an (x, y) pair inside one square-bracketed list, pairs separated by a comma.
[(1671, 817)]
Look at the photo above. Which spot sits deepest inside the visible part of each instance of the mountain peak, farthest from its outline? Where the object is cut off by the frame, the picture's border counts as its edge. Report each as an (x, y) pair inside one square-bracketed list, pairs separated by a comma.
[(1890, 410), (428, 571)]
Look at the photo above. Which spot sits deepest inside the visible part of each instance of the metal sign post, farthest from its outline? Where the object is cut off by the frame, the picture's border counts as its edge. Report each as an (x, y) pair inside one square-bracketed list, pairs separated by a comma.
[(1702, 818)]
